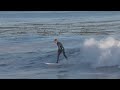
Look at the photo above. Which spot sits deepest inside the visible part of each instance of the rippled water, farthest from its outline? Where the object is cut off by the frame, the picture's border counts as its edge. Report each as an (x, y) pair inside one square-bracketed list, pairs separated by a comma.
[(91, 41)]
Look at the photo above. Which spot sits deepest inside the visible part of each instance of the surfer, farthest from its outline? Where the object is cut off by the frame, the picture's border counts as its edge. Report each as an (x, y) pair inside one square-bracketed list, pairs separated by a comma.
[(60, 49)]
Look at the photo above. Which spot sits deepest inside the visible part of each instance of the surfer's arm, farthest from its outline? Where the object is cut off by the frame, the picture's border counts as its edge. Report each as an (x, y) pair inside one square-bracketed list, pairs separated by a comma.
[(60, 47)]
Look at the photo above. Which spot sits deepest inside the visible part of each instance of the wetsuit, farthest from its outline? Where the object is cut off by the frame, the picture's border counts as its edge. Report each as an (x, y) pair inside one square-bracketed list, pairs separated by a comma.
[(60, 50)]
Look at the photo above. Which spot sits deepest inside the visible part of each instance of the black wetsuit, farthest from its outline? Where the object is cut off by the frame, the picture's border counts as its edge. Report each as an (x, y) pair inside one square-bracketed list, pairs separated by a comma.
[(60, 50)]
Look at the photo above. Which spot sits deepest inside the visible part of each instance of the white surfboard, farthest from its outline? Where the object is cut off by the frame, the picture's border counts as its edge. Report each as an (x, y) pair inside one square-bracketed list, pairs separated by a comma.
[(52, 63)]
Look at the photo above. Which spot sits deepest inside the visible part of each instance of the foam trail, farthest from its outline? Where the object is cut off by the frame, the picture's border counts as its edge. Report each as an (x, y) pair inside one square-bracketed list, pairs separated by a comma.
[(104, 52)]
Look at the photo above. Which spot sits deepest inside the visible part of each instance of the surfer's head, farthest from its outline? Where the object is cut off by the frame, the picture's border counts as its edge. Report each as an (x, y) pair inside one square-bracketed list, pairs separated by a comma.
[(55, 40)]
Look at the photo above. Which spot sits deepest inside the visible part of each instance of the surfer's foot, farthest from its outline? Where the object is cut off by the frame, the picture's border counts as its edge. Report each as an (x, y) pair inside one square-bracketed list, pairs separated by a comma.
[(56, 62)]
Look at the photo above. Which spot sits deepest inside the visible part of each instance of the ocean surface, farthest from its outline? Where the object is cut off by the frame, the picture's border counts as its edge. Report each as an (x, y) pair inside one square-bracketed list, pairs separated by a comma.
[(91, 40)]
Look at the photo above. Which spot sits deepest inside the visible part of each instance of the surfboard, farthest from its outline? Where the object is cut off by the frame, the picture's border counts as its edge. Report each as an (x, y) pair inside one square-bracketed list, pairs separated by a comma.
[(52, 63)]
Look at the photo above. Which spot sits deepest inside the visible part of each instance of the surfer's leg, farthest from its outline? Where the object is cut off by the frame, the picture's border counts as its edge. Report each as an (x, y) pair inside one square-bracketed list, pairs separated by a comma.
[(65, 54), (59, 52)]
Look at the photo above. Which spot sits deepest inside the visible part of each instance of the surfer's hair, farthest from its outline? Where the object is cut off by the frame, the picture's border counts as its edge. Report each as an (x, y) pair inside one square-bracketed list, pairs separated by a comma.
[(55, 40)]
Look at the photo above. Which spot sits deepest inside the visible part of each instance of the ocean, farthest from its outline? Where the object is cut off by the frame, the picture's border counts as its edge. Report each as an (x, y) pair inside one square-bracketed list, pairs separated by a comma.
[(91, 40)]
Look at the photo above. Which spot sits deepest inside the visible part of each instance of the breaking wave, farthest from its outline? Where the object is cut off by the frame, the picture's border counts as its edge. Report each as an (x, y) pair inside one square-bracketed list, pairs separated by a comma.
[(104, 52)]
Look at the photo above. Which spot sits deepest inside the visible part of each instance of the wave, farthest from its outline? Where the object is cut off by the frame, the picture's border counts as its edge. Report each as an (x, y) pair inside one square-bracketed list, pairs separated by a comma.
[(104, 52)]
